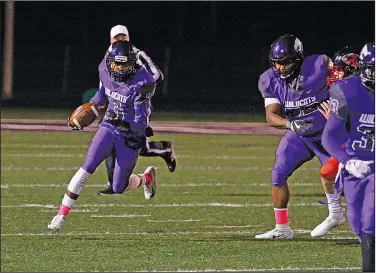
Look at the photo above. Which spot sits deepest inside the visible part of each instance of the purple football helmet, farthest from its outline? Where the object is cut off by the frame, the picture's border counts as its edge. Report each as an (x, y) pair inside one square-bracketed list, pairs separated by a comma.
[(286, 55), (121, 60), (367, 65)]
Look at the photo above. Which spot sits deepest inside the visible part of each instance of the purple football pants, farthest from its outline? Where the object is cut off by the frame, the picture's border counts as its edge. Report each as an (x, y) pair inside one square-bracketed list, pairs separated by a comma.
[(103, 142), (360, 200), (292, 151)]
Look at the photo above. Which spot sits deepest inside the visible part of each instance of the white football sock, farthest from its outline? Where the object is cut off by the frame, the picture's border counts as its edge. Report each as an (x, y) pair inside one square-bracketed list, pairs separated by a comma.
[(334, 205)]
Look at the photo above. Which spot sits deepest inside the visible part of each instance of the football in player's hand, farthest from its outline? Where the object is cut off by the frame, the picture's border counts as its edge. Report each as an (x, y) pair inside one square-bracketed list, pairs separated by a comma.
[(83, 116)]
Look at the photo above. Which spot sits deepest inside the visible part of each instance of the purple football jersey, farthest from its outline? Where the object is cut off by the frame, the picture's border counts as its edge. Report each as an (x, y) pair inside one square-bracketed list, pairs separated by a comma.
[(352, 102), (128, 101), (300, 98), (102, 66), (353, 111)]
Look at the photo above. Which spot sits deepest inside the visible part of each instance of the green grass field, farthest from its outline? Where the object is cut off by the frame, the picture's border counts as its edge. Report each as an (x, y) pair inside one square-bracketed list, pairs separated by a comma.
[(203, 218)]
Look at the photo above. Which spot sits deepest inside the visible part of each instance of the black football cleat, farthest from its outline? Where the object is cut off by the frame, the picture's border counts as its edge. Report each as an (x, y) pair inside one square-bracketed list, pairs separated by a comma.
[(106, 191), (170, 158)]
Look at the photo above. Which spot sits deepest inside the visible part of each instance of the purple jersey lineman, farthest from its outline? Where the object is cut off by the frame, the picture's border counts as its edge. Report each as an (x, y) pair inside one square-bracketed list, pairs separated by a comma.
[(300, 100), (353, 108)]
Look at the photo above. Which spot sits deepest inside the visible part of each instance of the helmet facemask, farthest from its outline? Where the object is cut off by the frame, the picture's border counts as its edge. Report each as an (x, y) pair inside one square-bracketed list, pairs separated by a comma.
[(120, 69), (367, 73), (285, 68), (121, 61)]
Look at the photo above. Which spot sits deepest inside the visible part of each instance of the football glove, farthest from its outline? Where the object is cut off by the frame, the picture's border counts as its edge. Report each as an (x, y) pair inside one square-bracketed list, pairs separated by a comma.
[(299, 126), (358, 168)]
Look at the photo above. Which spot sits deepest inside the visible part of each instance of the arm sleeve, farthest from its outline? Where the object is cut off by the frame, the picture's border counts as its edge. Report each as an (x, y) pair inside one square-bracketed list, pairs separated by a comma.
[(100, 97), (102, 65), (332, 136), (335, 128), (265, 88), (266, 92), (142, 107), (150, 66)]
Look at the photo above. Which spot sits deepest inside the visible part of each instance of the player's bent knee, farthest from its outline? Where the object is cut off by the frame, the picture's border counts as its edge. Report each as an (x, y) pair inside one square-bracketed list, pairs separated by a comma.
[(119, 189), (89, 166), (277, 178), (329, 172), (330, 176)]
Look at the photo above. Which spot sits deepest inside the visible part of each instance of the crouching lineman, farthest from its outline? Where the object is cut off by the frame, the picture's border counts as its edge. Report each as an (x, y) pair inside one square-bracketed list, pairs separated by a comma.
[(298, 86)]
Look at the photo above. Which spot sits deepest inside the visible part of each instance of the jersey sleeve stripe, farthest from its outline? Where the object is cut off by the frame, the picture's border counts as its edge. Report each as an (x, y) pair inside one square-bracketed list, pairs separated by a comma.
[(271, 101)]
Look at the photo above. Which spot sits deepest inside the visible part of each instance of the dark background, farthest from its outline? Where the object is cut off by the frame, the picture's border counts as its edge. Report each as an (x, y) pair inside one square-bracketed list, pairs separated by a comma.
[(217, 49)]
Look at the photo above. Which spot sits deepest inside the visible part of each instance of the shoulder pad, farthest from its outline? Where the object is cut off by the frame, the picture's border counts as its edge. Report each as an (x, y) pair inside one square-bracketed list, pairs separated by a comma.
[(318, 60), (349, 86), (102, 66), (338, 101), (264, 83)]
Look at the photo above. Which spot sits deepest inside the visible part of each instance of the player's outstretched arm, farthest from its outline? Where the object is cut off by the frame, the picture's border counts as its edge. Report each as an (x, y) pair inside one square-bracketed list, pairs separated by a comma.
[(100, 97)]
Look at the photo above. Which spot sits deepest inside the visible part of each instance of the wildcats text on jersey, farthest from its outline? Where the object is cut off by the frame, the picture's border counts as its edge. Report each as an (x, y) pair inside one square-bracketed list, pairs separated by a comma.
[(299, 103), (367, 118), (116, 96)]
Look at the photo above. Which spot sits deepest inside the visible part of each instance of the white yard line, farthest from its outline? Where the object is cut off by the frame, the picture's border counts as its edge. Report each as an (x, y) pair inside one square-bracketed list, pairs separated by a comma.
[(185, 167), (121, 216), (229, 205), (40, 169), (51, 233), (85, 146), (177, 233), (218, 157), (307, 231), (44, 155), (44, 146), (193, 185)]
